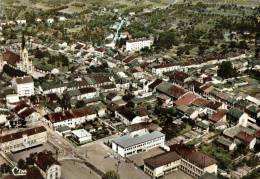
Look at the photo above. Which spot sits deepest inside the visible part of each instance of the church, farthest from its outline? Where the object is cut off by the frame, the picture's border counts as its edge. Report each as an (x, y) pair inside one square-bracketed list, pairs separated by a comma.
[(20, 62)]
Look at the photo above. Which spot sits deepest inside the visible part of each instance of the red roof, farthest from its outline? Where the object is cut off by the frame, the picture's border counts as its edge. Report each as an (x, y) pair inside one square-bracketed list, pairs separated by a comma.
[(257, 134), (245, 137), (71, 114), (190, 154), (11, 57), (185, 100), (200, 102), (217, 116), (176, 91), (45, 159), (18, 135)]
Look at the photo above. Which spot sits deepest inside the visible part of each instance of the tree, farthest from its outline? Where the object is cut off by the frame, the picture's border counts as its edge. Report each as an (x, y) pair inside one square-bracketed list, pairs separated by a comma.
[(166, 40), (21, 164), (111, 175), (226, 70)]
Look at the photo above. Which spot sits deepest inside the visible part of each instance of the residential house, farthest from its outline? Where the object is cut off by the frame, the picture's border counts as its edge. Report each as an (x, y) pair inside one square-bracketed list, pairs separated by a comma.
[(70, 118), (49, 167)]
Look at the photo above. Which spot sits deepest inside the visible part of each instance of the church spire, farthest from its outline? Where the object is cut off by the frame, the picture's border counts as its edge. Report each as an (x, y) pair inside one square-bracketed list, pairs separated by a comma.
[(23, 41)]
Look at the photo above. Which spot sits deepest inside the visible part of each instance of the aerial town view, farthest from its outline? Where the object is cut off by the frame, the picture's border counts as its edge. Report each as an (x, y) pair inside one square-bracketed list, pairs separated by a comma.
[(130, 89)]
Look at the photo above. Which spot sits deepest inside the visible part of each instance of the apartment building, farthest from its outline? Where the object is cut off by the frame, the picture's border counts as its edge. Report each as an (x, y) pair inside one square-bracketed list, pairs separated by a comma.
[(24, 86), (128, 145), (21, 140), (138, 44), (181, 157)]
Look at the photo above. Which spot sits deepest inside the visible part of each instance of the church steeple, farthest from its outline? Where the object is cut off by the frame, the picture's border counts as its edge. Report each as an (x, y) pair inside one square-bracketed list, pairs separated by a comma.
[(23, 41)]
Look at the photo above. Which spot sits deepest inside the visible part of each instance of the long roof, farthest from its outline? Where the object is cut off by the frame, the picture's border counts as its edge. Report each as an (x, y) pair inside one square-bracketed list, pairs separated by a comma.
[(18, 135), (162, 159), (190, 154), (128, 141)]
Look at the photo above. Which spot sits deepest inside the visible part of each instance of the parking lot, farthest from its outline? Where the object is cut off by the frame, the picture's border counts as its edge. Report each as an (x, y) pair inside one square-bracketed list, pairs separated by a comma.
[(76, 170), (104, 159)]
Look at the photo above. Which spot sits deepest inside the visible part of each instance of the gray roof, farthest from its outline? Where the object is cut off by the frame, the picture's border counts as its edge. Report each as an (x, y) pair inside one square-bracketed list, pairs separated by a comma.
[(127, 141)]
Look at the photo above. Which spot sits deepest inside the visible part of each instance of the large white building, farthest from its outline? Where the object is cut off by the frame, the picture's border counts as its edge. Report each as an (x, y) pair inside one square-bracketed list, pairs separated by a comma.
[(14, 142), (127, 145), (181, 157), (138, 44), (24, 86)]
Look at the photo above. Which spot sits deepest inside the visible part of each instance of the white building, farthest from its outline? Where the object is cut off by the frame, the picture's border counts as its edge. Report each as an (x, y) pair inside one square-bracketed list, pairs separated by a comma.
[(163, 68), (70, 118), (128, 145), (81, 136), (24, 86), (138, 44), (181, 157), (14, 142)]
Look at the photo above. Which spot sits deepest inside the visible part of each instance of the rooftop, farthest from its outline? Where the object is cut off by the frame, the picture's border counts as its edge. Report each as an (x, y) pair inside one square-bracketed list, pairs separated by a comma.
[(162, 159), (18, 135), (128, 141)]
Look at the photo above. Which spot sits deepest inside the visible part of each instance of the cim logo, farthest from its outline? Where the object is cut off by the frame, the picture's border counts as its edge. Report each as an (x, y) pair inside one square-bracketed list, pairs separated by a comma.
[(18, 172)]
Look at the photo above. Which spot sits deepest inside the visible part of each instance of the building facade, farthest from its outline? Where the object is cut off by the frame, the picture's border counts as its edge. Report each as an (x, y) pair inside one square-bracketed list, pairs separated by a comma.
[(190, 161), (138, 44), (24, 86), (24, 139), (127, 145)]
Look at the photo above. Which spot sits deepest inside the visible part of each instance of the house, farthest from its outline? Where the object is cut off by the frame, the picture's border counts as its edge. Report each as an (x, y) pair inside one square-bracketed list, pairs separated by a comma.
[(226, 143), (178, 77), (26, 112), (202, 127), (235, 115), (142, 128), (81, 136), (186, 99), (127, 145), (247, 139), (180, 157), (70, 118), (241, 135), (138, 44), (163, 68), (127, 116), (152, 86), (24, 139), (49, 167), (82, 93), (171, 90), (24, 86), (219, 116), (111, 97)]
